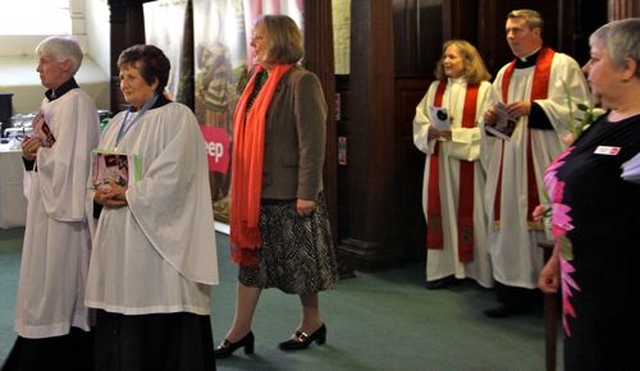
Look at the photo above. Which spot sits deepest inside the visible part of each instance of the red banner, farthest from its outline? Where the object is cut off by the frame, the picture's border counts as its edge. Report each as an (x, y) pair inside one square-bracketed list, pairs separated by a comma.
[(218, 150)]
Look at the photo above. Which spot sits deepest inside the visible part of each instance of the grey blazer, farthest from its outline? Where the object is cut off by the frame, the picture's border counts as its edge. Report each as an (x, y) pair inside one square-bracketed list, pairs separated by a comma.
[(295, 138)]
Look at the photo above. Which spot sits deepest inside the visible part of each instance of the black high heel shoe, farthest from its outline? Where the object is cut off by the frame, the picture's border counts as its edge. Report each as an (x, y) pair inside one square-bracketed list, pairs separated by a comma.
[(227, 348), (301, 340)]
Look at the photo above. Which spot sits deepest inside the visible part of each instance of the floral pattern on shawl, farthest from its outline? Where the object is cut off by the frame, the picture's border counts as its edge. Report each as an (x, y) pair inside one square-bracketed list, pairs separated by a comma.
[(561, 224)]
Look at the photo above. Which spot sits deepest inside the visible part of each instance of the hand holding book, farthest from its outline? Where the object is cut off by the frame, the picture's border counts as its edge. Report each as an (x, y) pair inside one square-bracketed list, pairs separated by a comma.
[(504, 124), (111, 174)]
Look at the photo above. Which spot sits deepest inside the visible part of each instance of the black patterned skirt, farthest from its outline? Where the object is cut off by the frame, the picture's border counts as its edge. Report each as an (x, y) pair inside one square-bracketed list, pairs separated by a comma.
[(297, 254)]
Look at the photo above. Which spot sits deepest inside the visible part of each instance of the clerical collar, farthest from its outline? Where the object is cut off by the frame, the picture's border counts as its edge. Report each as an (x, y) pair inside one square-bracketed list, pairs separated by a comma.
[(61, 90), (528, 61)]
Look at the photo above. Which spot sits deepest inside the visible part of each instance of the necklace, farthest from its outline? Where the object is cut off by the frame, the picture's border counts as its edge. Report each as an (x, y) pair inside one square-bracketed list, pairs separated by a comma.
[(124, 127)]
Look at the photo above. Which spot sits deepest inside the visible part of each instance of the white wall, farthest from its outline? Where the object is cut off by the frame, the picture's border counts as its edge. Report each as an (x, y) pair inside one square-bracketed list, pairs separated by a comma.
[(98, 33), (18, 63)]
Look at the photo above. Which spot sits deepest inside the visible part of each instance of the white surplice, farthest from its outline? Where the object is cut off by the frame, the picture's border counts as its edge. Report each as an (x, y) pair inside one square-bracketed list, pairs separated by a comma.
[(55, 254), (465, 144), (158, 253), (515, 256)]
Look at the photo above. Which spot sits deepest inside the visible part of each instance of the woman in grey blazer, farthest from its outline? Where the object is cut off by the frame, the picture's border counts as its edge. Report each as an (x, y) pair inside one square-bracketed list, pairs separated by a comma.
[(279, 223)]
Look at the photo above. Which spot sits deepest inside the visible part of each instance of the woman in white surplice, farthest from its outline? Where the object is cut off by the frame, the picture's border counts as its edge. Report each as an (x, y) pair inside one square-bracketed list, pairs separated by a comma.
[(51, 320), (154, 253), (446, 129)]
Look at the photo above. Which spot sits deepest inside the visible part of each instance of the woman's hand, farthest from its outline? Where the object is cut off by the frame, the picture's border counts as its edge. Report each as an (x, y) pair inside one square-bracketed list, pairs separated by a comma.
[(549, 278), (538, 213), (305, 207), (439, 134), (111, 195)]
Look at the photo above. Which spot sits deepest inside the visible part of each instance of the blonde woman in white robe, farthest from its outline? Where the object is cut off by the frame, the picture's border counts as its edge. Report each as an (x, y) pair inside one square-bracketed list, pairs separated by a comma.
[(446, 129)]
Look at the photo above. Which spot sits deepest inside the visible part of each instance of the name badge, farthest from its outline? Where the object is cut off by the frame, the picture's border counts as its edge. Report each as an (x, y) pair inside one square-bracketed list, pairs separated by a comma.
[(607, 150)]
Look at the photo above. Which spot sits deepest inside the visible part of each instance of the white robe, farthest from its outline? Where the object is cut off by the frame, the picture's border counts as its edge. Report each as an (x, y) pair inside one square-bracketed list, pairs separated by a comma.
[(465, 145), (55, 254), (513, 246), (158, 253)]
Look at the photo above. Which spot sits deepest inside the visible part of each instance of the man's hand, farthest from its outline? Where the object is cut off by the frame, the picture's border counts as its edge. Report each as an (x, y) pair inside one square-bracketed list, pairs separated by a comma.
[(519, 109), (30, 146)]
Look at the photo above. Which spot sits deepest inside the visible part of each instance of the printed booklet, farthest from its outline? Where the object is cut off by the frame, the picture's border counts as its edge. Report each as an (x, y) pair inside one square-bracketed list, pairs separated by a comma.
[(504, 127), (120, 167)]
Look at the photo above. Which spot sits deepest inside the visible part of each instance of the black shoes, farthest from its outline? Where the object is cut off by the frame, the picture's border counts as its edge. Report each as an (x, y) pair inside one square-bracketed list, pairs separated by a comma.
[(227, 348), (442, 283), (502, 311), (301, 340)]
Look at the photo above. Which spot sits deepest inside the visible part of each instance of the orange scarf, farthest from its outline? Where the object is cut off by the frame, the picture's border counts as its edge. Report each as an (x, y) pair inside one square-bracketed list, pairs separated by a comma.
[(248, 161)]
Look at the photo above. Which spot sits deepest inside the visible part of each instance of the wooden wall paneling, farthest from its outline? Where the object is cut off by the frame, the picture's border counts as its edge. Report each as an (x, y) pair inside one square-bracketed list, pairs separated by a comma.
[(576, 21), (405, 19), (371, 183), (343, 123), (460, 20), (410, 166), (318, 40), (417, 28)]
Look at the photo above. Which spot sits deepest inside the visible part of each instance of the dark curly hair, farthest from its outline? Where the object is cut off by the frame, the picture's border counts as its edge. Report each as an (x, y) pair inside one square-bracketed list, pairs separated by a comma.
[(153, 63)]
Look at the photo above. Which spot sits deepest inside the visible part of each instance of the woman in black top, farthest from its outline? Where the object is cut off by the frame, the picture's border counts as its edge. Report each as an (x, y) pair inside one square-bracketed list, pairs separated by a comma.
[(596, 214)]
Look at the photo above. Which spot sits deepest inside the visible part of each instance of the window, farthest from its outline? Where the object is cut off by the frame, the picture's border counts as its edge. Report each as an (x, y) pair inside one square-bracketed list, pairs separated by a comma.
[(35, 17), (24, 23)]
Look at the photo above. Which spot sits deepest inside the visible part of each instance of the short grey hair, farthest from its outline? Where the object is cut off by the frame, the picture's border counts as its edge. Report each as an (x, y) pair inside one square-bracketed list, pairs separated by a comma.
[(621, 40), (62, 49), (533, 18)]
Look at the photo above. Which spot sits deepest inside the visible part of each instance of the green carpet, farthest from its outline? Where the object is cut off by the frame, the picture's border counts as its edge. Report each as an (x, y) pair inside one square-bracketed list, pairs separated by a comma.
[(382, 320)]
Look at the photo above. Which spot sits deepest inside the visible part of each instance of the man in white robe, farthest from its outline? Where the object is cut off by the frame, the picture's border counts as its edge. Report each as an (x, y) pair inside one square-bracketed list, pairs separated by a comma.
[(533, 89)]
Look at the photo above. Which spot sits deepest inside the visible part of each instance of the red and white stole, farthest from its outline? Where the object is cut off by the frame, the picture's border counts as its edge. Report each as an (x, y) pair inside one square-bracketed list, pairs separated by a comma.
[(539, 90), (466, 186)]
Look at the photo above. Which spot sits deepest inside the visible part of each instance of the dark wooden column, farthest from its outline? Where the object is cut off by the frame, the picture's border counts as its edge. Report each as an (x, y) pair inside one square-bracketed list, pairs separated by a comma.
[(318, 45), (372, 216), (127, 28), (318, 41)]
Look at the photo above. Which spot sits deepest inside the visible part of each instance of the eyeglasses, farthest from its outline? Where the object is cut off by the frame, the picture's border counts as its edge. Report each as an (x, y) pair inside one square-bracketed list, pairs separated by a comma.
[(255, 38)]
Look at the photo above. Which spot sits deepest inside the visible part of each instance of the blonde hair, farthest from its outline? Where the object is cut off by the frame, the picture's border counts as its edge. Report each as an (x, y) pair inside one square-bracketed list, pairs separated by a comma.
[(475, 70), (283, 39)]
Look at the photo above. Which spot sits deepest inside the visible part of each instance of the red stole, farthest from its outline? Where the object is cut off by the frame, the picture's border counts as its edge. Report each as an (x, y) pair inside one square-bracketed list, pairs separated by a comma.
[(466, 186), (539, 90)]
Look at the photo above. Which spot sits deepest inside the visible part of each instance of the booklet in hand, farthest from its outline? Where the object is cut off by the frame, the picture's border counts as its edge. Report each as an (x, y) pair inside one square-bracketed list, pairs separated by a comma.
[(119, 167), (504, 126), (439, 118), (42, 131)]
